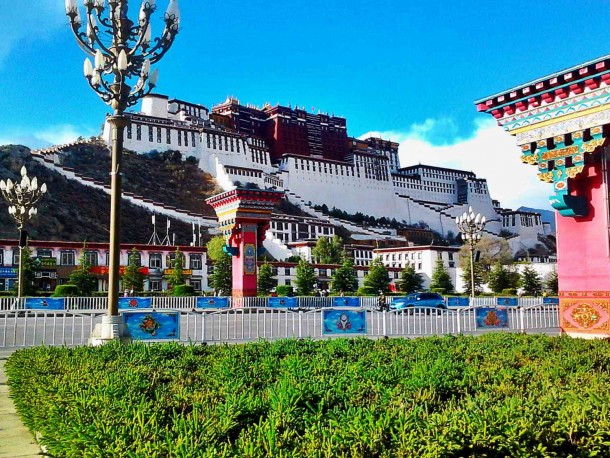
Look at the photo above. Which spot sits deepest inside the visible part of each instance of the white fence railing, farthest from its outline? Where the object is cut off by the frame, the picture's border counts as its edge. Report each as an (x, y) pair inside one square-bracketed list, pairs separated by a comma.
[(189, 303), (24, 328)]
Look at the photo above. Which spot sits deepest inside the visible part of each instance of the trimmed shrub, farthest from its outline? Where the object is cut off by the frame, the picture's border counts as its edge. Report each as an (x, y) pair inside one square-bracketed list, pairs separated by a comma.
[(367, 291), (509, 291), (183, 290), (66, 291), (284, 290), (440, 291), (496, 395)]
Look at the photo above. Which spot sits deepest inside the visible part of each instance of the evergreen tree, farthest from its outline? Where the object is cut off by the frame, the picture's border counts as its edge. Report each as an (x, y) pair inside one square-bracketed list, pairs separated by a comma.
[(410, 280), (345, 278), (552, 282), (28, 271), (501, 278), (133, 279), (378, 278), (221, 279), (305, 278), (265, 280), (440, 278), (328, 251), (467, 280), (177, 275), (82, 277), (530, 281)]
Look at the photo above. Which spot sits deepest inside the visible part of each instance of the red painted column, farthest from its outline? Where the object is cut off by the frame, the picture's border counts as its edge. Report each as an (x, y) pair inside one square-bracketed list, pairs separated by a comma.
[(583, 255), (244, 263)]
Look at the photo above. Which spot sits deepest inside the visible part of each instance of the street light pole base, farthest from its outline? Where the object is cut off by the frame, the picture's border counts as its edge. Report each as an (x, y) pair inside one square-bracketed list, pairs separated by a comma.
[(110, 329)]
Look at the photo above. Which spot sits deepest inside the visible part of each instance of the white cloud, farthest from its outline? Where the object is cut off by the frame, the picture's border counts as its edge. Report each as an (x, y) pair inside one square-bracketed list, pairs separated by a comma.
[(27, 20), (490, 153), (49, 136)]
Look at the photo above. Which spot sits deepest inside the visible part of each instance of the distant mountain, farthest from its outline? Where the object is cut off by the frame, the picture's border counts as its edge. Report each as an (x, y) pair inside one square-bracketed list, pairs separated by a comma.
[(548, 216)]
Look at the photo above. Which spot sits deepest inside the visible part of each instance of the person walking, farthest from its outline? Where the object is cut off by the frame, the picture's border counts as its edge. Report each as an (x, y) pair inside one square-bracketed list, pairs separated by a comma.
[(381, 302)]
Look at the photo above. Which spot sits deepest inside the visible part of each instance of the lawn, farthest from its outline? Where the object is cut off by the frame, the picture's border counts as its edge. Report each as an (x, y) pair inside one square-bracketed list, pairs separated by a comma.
[(499, 395)]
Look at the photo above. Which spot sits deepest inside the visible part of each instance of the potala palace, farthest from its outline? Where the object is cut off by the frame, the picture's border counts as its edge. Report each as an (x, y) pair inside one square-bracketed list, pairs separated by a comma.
[(313, 159)]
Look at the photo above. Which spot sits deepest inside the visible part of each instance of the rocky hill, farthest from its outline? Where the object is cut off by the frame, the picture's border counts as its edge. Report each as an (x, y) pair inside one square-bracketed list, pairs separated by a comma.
[(74, 212)]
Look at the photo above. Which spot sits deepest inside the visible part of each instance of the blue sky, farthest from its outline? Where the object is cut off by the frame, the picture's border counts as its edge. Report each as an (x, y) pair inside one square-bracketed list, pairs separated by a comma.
[(408, 70)]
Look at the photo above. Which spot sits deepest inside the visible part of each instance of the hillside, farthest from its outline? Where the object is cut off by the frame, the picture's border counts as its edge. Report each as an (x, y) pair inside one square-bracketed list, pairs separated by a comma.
[(163, 177), (73, 212)]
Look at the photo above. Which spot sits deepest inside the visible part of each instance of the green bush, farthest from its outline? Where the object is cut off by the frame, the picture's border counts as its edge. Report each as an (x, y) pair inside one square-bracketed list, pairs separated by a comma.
[(509, 292), (183, 290), (496, 395), (66, 291), (284, 290), (366, 291)]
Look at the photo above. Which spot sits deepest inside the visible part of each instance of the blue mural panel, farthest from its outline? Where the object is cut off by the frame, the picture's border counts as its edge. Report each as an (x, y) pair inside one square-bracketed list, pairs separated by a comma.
[(458, 301), (153, 325), (212, 303), (343, 322), (513, 301), (282, 302), (45, 303), (490, 317), (346, 302), (550, 300), (128, 303)]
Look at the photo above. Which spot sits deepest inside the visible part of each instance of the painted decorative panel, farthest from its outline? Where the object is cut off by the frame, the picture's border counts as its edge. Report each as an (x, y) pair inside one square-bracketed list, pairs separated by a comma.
[(587, 311), (343, 322), (514, 301), (212, 303), (128, 303), (458, 301), (45, 303), (346, 301), (153, 325), (282, 302), (491, 317)]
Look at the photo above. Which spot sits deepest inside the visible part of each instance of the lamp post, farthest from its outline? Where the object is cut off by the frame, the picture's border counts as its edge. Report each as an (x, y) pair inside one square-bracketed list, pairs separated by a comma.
[(22, 198), (470, 226), (123, 52)]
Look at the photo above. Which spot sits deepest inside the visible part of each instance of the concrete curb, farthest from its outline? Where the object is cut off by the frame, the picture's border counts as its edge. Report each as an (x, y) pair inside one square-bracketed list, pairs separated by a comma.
[(16, 440)]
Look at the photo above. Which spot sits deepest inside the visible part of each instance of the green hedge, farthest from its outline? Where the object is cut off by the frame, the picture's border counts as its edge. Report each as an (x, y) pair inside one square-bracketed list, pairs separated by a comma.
[(66, 291), (284, 290), (497, 395), (183, 290)]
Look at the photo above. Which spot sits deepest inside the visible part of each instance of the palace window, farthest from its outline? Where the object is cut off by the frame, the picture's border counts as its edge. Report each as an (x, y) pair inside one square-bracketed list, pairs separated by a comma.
[(155, 285), (168, 136), (129, 130), (207, 136), (238, 141), (186, 139), (158, 135), (138, 132), (150, 134), (155, 261), (179, 138), (41, 254), (196, 284), (193, 138), (195, 262), (16, 257), (67, 258), (1, 259), (91, 258)]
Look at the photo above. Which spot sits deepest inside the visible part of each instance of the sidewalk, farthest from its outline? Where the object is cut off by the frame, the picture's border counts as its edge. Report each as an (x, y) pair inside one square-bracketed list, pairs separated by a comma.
[(15, 439)]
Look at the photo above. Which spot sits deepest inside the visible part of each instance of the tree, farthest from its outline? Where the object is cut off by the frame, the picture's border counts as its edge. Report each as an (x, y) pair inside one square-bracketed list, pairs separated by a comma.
[(501, 278), (82, 277), (551, 282), (491, 250), (378, 278), (328, 251), (410, 280), (345, 278), (28, 267), (440, 278), (177, 275), (530, 281), (265, 280), (221, 279), (305, 278), (467, 279), (133, 279)]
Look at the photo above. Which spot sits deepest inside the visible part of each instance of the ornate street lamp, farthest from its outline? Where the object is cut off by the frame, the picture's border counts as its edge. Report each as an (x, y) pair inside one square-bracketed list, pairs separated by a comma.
[(470, 226), (123, 52), (22, 198)]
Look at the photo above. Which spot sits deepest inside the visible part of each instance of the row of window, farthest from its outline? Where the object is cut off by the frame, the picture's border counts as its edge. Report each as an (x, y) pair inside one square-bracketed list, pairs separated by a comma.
[(183, 136), (229, 142)]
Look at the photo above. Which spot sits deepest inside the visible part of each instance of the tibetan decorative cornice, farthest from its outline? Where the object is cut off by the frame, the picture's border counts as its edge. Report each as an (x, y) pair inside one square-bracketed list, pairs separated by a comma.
[(557, 163), (588, 76)]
